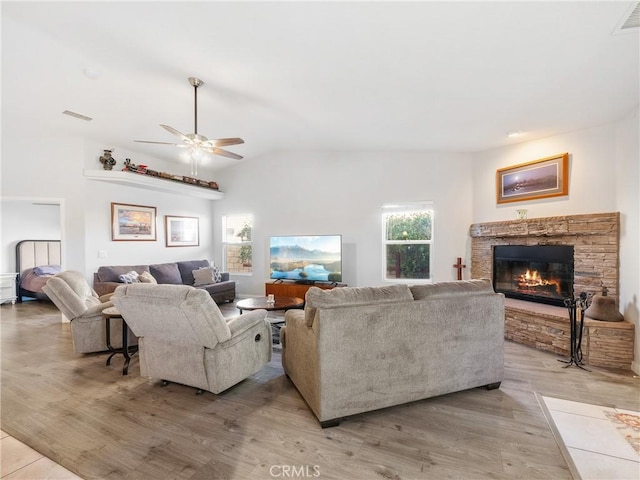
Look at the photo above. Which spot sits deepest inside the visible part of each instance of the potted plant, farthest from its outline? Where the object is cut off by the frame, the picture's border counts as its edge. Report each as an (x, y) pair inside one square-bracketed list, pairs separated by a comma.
[(245, 250), (245, 255)]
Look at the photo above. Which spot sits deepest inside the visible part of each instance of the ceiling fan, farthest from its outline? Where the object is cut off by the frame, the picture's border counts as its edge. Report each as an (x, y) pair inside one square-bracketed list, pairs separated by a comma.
[(196, 143)]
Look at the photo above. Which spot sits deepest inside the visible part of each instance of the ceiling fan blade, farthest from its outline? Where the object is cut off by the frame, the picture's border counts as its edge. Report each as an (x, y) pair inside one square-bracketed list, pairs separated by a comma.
[(159, 143), (224, 153), (223, 142), (176, 133)]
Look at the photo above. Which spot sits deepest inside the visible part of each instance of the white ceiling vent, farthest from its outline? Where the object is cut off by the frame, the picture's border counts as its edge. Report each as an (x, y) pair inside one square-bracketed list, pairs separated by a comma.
[(630, 21), (77, 115)]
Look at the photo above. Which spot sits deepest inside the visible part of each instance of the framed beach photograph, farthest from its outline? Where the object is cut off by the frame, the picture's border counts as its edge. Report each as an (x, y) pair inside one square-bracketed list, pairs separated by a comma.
[(547, 177), (181, 231), (132, 222)]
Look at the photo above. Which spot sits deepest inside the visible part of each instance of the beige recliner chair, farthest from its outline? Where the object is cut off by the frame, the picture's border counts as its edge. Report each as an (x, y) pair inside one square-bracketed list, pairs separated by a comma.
[(184, 338), (70, 292)]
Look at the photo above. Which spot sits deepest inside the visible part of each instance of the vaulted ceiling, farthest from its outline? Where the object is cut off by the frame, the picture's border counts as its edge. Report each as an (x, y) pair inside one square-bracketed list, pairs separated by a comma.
[(349, 76)]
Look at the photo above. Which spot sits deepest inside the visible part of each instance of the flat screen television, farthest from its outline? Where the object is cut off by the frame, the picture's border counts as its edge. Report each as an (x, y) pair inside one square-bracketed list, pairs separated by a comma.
[(306, 258)]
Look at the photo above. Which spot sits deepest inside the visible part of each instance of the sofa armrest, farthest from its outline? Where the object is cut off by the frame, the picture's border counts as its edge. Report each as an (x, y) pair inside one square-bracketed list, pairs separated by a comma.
[(293, 316), (96, 309), (106, 297), (300, 357), (301, 334), (103, 288), (244, 322)]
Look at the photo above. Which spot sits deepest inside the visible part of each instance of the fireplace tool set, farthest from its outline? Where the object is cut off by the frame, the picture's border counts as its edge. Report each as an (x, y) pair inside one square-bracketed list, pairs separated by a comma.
[(573, 305)]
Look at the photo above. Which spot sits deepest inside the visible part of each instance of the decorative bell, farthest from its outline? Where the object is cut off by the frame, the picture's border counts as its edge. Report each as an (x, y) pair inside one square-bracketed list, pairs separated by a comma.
[(603, 308)]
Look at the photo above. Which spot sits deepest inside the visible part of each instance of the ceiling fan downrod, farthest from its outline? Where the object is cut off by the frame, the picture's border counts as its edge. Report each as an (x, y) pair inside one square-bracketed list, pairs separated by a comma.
[(195, 82)]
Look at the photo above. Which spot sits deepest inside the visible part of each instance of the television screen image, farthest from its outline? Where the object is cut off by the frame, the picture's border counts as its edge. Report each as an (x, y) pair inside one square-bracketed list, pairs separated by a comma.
[(306, 258)]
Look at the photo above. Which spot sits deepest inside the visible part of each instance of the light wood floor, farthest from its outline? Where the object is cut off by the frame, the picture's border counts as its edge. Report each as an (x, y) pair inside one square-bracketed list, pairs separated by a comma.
[(98, 424)]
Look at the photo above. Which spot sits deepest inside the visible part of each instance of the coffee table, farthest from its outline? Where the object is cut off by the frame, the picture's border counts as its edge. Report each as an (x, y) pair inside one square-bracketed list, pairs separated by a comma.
[(279, 303), (261, 303)]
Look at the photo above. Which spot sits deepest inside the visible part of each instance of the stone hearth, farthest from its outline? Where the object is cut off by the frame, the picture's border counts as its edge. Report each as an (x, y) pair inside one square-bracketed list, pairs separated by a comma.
[(547, 327), (595, 238)]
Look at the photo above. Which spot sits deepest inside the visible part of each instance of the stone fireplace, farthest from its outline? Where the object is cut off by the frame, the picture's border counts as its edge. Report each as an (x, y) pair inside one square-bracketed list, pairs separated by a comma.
[(594, 239), (534, 314)]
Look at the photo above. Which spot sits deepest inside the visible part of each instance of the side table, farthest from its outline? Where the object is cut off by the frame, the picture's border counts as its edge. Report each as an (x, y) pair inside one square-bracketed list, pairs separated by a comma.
[(8, 287), (108, 314)]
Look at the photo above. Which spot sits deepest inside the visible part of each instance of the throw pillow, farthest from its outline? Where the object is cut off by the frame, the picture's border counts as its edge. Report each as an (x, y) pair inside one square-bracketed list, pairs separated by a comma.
[(166, 273), (188, 266), (203, 276), (129, 277), (146, 277), (217, 274)]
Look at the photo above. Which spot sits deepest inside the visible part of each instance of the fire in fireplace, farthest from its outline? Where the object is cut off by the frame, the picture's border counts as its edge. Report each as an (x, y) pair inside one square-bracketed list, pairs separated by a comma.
[(538, 273)]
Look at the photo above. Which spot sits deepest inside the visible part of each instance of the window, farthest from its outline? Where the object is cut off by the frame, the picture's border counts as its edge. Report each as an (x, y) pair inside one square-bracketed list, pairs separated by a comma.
[(407, 241), (236, 243)]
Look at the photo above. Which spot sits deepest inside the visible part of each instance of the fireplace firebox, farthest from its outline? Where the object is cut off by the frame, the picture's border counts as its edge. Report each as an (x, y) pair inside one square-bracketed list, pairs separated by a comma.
[(537, 273)]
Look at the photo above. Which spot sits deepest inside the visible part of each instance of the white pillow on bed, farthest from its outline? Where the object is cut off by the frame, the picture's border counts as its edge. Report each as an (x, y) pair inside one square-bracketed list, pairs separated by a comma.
[(43, 270)]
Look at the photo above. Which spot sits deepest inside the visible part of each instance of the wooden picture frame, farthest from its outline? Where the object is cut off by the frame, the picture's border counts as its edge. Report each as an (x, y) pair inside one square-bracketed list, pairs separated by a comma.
[(133, 222), (543, 178), (181, 231)]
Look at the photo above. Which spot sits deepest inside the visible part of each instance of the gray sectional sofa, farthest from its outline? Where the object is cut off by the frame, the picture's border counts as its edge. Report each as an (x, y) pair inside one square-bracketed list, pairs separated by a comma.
[(107, 278), (354, 350)]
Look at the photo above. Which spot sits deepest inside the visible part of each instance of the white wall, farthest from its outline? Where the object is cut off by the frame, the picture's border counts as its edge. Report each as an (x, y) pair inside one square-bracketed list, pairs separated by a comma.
[(342, 193), (592, 175), (627, 194), (604, 177)]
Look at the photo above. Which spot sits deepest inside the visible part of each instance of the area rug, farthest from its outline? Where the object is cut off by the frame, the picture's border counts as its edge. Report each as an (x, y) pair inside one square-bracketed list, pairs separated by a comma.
[(628, 424), (598, 442)]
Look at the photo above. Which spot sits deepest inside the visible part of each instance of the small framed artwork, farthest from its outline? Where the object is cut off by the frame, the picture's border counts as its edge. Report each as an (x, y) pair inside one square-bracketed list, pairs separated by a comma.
[(133, 222), (547, 177), (181, 231)]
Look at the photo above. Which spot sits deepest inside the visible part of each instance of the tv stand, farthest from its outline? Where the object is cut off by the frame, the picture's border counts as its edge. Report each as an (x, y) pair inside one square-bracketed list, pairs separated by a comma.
[(291, 289)]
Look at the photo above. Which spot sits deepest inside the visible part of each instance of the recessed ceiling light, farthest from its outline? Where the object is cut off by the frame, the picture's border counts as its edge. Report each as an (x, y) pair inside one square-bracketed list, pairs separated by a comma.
[(91, 73), (514, 133)]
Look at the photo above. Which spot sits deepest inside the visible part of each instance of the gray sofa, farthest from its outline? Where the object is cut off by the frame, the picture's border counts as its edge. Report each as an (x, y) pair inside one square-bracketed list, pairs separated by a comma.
[(354, 350), (106, 279)]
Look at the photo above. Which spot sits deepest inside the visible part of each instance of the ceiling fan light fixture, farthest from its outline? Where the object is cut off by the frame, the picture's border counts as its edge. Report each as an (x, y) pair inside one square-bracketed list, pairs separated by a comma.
[(196, 153)]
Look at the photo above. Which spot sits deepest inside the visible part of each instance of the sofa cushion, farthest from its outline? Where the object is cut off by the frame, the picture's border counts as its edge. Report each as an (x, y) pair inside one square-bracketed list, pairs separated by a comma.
[(450, 289), (213, 288), (146, 277), (204, 276), (353, 296), (187, 268), (111, 273), (166, 273)]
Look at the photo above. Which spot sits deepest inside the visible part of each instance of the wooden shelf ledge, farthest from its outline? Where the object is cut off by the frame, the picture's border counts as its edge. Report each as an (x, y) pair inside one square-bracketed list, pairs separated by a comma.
[(153, 183)]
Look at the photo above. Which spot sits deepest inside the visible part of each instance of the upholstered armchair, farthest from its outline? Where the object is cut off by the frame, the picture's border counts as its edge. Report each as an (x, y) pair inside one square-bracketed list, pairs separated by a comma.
[(184, 338), (70, 292)]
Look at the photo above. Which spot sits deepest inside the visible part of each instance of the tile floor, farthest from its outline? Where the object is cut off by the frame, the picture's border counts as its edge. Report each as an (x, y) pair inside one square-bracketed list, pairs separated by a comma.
[(19, 461), (602, 443)]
